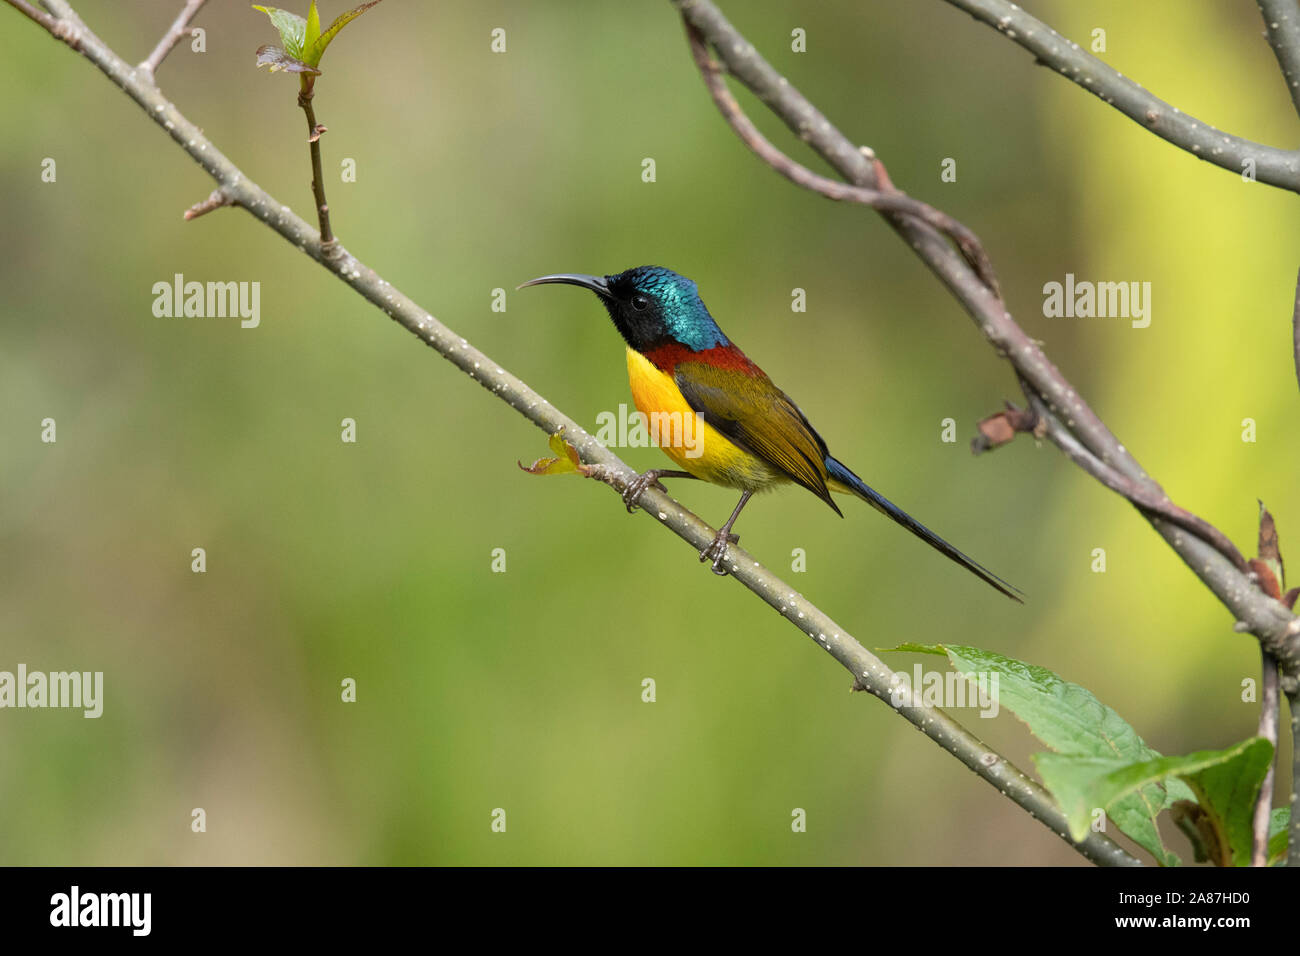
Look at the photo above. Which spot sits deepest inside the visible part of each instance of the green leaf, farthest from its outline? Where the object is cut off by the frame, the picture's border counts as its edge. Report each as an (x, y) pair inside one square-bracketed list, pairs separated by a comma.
[(565, 462), (277, 60), (1228, 791), (1278, 824), (1071, 720), (313, 27), (293, 29), (316, 48), (1225, 780)]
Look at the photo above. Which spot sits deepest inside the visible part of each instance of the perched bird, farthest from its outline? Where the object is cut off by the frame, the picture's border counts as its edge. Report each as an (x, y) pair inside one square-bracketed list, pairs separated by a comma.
[(753, 436)]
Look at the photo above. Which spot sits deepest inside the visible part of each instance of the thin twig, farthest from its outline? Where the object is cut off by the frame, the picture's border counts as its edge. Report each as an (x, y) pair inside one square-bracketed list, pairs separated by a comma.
[(1269, 701), (869, 672), (314, 131), (179, 27), (1282, 27), (1277, 167), (29, 11), (892, 200)]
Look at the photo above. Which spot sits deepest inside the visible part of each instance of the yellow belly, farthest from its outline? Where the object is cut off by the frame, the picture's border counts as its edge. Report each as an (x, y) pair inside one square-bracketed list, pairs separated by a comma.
[(686, 438)]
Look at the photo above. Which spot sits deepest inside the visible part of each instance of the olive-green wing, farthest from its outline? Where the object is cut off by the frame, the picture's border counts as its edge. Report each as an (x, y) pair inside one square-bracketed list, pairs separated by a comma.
[(759, 417)]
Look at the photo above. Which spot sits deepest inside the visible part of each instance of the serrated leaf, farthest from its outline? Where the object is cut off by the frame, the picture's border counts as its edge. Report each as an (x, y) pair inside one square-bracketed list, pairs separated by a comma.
[(1072, 721), (565, 462), (1226, 780), (279, 61), (316, 49), (292, 28)]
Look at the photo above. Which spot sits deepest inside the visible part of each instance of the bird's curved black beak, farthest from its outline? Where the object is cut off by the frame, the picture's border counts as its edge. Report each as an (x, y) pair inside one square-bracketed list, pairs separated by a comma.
[(596, 284)]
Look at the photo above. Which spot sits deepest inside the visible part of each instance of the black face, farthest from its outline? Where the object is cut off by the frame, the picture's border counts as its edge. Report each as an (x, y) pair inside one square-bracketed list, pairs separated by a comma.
[(650, 306), (637, 311)]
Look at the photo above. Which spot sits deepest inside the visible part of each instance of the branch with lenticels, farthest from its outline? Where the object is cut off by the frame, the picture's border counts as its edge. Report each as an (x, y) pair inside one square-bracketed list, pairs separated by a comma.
[(236, 190), (1055, 409)]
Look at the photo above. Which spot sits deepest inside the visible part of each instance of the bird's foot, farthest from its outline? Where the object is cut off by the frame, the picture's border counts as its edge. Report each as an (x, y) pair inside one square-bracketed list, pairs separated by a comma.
[(637, 486), (717, 551)]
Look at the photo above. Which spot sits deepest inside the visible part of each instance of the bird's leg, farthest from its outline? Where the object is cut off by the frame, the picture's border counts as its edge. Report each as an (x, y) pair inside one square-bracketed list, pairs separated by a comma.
[(649, 479), (718, 549)]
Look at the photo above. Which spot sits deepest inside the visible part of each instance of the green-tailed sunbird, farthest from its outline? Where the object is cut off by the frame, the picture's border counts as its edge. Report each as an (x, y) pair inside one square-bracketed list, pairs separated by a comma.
[(753, 437)]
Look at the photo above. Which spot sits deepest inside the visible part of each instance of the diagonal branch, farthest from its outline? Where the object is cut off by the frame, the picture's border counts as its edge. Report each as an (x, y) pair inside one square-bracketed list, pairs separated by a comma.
[(180, 26), (1221, 570), (1282, 26), (869, 672), (1277, 167)]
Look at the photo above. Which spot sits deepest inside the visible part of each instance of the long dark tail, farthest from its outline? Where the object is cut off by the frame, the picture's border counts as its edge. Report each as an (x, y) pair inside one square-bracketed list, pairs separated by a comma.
[(838, 472)]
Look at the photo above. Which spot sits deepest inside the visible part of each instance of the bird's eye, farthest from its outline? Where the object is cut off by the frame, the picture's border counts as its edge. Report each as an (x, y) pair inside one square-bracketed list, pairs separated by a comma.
[(640, 303)]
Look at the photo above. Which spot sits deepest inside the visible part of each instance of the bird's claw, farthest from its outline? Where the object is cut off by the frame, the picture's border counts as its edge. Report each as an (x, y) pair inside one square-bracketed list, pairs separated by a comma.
[(717, 551), (637, 486)]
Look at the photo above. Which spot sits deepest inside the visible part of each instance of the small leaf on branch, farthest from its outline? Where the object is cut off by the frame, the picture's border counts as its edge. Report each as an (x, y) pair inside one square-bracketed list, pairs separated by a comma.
[(277, 60), (292, 29), (565, 462), (312, 33), (315, 49)]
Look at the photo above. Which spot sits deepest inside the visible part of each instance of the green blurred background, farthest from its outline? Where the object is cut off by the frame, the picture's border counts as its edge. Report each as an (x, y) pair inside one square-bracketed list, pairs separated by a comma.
[(522, 690)]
